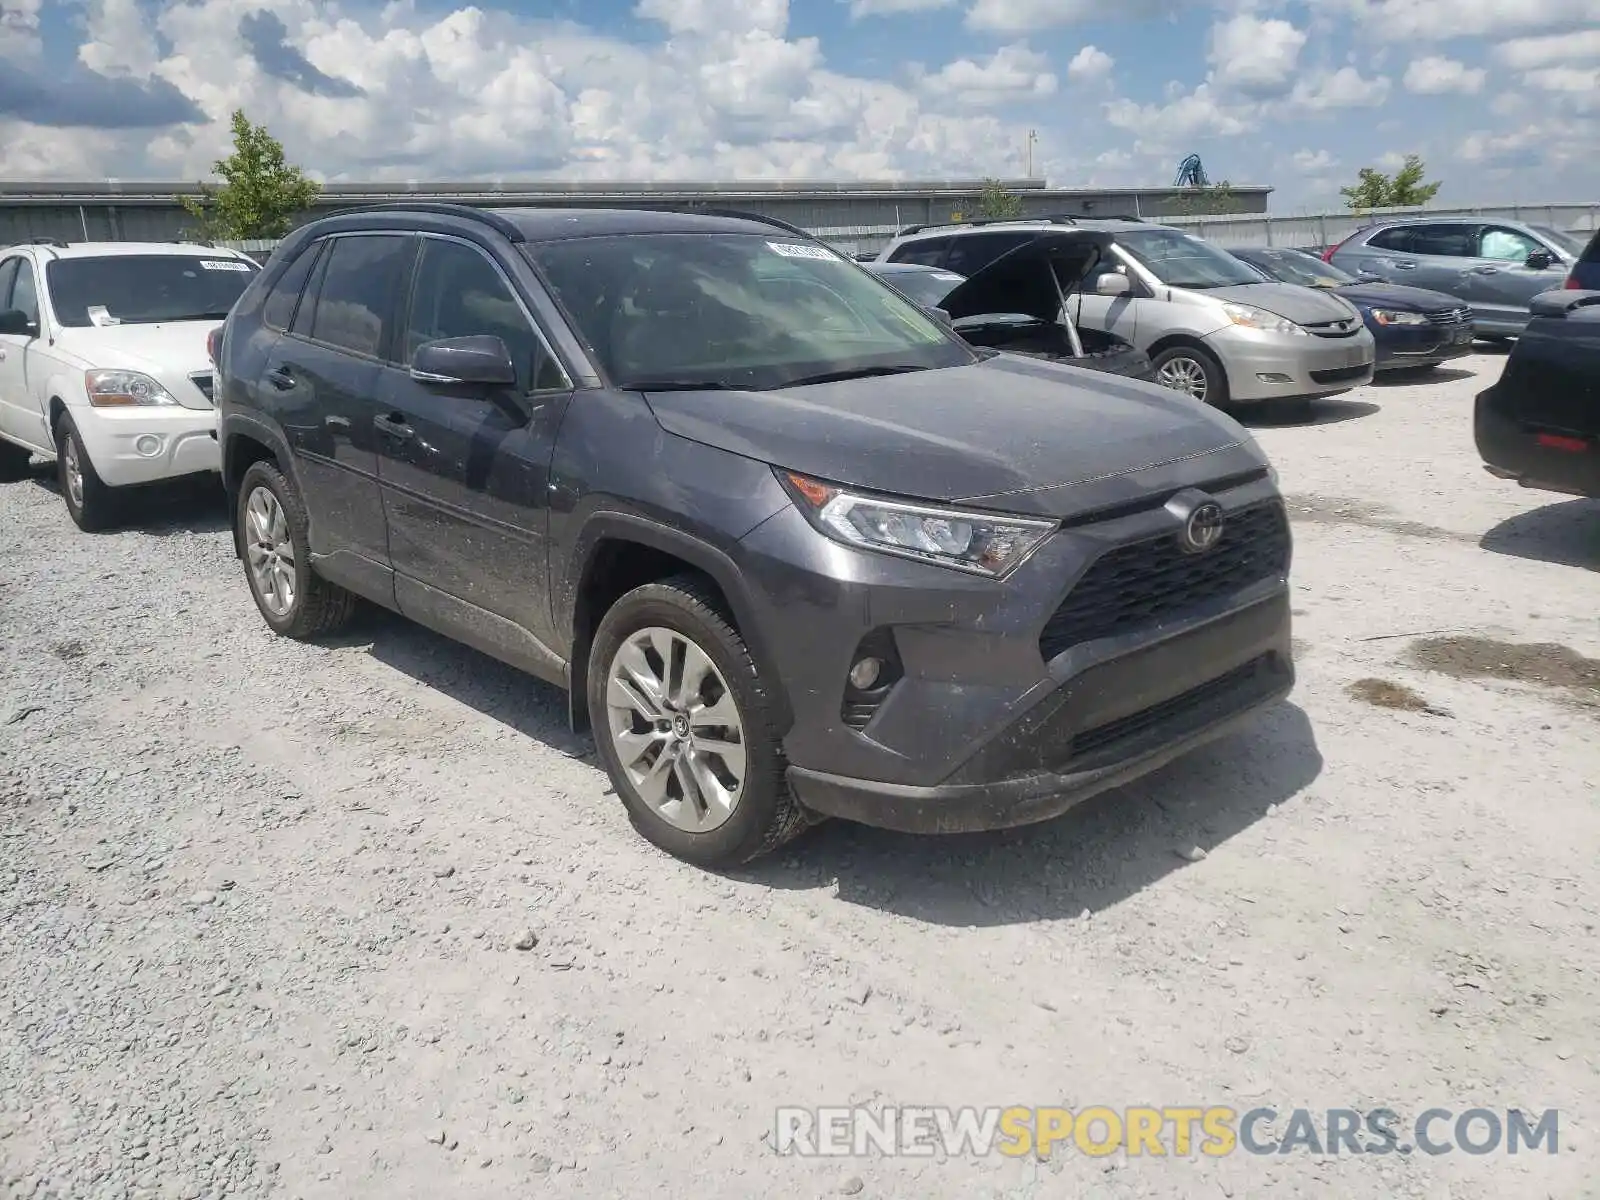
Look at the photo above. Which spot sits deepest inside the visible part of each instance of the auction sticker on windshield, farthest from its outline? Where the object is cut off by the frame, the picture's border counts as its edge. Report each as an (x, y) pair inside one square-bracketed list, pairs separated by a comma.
[(796, 250), (229, 264)]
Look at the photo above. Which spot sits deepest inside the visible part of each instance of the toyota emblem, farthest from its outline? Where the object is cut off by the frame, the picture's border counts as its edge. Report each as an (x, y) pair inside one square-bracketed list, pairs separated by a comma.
[(1203, 528)]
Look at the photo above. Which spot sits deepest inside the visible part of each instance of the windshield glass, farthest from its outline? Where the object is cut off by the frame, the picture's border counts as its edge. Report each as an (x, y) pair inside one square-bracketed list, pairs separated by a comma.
[(1182, 260), (1562, 241), (735, 311), (142, 288), (925, 287), (1295, 266)]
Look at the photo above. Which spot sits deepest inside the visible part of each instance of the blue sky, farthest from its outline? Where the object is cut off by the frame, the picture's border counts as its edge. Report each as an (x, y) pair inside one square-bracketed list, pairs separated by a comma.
[(1501, 98)]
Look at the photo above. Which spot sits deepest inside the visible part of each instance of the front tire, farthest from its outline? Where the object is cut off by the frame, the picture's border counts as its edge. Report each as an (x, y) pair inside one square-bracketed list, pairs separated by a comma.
[(270, 519), (1193, 372), (91, 502), (683, 723)]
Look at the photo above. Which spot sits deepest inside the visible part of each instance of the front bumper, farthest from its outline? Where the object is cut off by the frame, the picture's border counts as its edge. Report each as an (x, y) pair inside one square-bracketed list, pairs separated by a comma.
[(1401, 346), (143, 445), (1511, 449), (1001, 714), (1273, 366)]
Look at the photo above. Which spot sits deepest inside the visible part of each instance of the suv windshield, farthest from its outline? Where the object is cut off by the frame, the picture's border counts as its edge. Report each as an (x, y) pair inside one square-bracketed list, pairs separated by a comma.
[(925, 287), (735, 311), (142, 288), (1294, 266), (1182, 260), (1562, 241)]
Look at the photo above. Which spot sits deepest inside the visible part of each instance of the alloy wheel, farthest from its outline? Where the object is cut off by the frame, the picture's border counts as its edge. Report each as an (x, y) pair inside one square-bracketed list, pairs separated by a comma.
[(676, 729), (1183, 374), (73, 470), (270, 551)]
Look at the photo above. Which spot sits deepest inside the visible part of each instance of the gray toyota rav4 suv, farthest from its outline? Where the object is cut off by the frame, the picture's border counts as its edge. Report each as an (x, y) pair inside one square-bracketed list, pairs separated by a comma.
[(791, 546)]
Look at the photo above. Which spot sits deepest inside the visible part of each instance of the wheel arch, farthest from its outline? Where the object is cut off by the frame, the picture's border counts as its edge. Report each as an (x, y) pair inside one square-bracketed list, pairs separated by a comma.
[(242, 447), (619, 552)]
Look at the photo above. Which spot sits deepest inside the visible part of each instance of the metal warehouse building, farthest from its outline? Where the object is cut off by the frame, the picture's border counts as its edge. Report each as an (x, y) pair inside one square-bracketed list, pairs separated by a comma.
[(859, 215)]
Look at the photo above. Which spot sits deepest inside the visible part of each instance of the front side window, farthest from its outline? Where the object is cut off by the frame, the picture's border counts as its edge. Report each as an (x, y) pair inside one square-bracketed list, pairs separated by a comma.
[(735, 311), (8, 277), (1182, 260), (356, 302), (141, 289), (458, 293), (1507, 245)]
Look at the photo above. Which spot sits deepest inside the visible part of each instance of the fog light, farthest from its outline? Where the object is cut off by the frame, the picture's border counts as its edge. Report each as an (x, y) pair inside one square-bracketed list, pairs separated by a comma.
[(149, 445), (865, 673), (1273, 377)]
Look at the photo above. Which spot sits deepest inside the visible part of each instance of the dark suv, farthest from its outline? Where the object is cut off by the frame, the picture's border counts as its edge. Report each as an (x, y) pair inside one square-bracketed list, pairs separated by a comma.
[(792, 547)]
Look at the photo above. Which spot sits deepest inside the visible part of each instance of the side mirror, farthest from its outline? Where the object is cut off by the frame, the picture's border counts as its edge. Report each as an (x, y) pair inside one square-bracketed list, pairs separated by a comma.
[(1540, 260), (480, 360), (15, 321), (1112, 283)]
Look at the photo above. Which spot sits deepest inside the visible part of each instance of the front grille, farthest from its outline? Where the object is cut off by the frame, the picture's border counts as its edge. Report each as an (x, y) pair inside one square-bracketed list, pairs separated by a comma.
[(1449, 316), (207, 386), (1341, 374), (1342, 329), (1145, 583), (1208, 694)]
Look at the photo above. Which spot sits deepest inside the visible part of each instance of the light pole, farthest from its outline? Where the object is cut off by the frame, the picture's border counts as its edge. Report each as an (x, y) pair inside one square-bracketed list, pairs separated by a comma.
[(1033, 136)]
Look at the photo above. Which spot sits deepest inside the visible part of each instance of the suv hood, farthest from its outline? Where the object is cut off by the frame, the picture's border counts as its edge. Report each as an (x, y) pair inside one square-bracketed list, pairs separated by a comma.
[(175, 346), (1013, 434), (1302, 305), (1019, 280)]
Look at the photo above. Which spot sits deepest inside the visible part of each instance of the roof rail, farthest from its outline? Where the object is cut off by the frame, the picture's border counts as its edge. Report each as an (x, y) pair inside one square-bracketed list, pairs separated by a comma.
[(1056, 219), (47, 241), (489, 217), (732, 214), (1111, 217)]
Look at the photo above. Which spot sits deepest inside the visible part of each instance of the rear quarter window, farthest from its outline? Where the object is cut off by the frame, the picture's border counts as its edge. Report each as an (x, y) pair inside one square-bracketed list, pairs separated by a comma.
[(929, 253), (1390, 239)]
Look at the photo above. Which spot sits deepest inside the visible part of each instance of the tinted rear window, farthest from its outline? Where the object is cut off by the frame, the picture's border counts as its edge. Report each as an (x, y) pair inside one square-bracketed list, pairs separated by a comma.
[(355, 307), (143, 288), (278, 310)]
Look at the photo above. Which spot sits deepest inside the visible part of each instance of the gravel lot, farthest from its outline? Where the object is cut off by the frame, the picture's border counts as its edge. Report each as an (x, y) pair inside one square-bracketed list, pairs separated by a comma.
[(260, 901)]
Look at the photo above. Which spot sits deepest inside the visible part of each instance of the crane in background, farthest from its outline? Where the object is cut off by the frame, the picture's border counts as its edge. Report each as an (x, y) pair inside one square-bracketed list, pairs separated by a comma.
[(1192, 173)]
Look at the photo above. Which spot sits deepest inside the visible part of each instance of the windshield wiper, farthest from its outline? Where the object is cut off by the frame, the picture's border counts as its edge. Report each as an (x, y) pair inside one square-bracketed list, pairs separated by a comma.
[(857, 373), (679, 385)]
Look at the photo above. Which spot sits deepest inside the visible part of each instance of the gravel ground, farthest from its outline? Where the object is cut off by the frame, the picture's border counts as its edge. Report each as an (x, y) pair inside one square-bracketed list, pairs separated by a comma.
[(261, 902)]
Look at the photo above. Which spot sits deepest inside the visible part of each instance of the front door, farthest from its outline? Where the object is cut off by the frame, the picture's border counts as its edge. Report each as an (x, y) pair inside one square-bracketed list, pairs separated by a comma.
[(1501, 283), (322, 380), (21, 417), (465, 470)]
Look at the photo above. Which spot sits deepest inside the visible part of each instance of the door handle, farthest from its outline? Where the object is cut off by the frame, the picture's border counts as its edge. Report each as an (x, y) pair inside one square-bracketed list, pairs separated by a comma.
[(1405, 266), (338, 424), (394, 425), (1486, 270), (281, 378)]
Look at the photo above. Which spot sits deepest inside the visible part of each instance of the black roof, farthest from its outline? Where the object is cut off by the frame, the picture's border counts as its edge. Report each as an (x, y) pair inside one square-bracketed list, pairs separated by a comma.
[(555, 224)]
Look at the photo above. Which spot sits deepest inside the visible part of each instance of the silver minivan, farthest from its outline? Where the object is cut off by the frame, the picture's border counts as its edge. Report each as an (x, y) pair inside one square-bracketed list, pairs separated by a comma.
[(1212, 328)]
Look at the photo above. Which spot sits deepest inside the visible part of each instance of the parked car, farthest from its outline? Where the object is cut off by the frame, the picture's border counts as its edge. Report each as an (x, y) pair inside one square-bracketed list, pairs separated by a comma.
[(1497, 267), (793, 548), (1539, 423), (1213, 328), (1585, 274), (103, 363), (1015, 304), (1412, 328)]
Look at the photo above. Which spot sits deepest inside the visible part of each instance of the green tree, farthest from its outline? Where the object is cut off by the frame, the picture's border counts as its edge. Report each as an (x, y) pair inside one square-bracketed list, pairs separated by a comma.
[(261, 192), (1213, 200), (1405, 189), (997, 204)]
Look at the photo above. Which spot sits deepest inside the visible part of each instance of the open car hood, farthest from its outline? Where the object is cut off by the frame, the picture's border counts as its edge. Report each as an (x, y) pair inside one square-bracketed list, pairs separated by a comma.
[(1019, 280)]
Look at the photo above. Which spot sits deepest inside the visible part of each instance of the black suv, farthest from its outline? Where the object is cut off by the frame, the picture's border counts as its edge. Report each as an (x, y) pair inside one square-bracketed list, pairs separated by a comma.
[(793, 548)]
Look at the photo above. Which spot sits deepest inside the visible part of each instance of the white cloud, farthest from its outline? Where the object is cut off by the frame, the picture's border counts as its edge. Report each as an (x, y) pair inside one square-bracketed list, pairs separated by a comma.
[(1026, 16), (1089, 64), (1578, 86), (1185, 117), (1011, 74), (1344, 88), (1443, 20), (1525, 54), (1436, 76), (1312, 162), (716, 16), (893, 8), (19, 28), (1254, 55), (1498, 151)]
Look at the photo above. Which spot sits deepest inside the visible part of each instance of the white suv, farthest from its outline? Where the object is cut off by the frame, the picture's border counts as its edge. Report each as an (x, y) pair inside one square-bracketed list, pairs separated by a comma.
[(105, 364)]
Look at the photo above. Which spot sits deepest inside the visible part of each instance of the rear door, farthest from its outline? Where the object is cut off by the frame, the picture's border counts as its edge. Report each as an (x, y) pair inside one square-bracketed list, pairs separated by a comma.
[(321, 384), (1444, 254), (1502, 282), (1386, 255), (466, 471)]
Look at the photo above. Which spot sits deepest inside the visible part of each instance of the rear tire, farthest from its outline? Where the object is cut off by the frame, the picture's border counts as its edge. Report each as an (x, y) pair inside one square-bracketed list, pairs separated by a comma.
[(1193, 373), (270, 523), (91, 502), (14, 462), (679, 714)]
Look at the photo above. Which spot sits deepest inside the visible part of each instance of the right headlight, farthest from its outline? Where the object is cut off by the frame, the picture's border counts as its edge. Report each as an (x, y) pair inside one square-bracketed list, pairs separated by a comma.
[(123, 389), (1387, 316), (1252, 317), (980, 543)]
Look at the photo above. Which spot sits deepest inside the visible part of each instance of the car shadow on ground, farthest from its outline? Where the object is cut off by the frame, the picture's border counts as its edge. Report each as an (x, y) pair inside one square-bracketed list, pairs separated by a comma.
[(1319, 412), (1416, 376), (192, 505), (1092, 857), (1566, 534), (1482, 346)]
